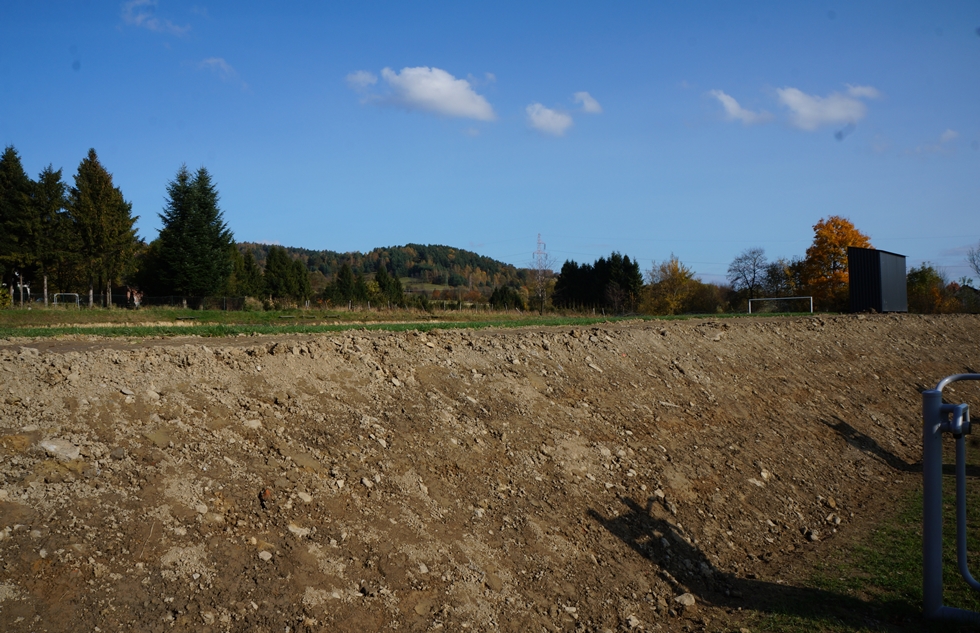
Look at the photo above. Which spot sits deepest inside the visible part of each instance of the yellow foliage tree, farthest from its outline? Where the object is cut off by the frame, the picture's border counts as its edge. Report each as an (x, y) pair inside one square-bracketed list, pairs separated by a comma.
[(825, 267), (671, 285)]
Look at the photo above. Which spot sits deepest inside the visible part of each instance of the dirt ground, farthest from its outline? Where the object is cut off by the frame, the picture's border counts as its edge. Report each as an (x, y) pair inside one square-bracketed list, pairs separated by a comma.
[(634, 476)]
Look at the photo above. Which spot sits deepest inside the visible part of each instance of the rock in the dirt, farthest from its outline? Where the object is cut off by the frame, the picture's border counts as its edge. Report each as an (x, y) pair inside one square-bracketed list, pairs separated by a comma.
[(494, 582), (686, 600), (60, 449), (265, 555), (298, 531), (633, 621)]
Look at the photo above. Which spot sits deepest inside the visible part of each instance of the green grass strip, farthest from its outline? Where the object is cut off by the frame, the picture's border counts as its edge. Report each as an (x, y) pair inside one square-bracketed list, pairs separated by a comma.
[(876, 585)]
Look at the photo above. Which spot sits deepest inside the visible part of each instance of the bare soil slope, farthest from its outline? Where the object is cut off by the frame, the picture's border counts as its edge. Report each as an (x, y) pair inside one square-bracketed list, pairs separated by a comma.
[(525, 480)]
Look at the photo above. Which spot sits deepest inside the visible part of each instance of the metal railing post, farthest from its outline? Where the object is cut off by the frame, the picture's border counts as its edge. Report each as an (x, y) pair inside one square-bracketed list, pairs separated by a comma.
[(932, 504), (936, 420)]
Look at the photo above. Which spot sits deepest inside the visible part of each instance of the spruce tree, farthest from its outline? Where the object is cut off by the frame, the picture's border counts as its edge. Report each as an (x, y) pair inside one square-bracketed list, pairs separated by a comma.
[(383, 280), (103, 221), (55, 243), (195, 257), (395, 293), (344, 284), (301, 275), (246, 279), (280, 275), (361, 291), (15, 213), (389, 285)]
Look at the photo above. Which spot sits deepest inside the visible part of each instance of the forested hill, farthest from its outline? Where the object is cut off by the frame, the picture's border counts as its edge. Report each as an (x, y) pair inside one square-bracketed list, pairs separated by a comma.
[(429, 263)]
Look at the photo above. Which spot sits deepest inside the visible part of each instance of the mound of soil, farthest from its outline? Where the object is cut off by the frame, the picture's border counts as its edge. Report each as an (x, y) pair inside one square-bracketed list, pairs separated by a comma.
[(643, 475)]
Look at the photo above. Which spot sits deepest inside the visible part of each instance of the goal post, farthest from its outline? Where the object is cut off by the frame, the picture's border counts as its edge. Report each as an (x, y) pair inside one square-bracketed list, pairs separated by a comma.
[(810, 299), (77, 299)]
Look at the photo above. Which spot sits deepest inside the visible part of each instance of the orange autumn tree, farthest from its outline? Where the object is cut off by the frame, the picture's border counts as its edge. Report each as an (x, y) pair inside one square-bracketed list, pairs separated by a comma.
[(825, 267)]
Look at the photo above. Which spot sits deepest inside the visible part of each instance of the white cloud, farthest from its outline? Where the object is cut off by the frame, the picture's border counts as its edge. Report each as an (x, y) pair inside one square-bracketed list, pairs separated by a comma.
[(941, 146), (547, 120), (589, 104), (863, 92), (361, 79), (809, 112), (140, 13), (435, 90), (222, 69), (735, 112), (219, 66)]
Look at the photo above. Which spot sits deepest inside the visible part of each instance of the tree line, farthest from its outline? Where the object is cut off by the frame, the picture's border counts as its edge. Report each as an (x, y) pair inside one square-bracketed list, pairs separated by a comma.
[(822, 273), (81, 238), (614, 284)]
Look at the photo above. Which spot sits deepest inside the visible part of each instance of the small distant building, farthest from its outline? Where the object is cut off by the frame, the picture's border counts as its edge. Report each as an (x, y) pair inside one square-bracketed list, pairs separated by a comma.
[(877, 280)]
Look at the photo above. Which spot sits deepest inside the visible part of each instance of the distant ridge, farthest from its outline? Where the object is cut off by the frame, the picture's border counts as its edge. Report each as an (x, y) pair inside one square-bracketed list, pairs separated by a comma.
[(424, 263)]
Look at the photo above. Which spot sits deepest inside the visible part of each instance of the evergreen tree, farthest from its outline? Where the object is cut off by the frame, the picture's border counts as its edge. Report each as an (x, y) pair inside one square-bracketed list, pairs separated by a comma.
[(104, 223), (301, 275), (615, 283), (383, 280), (195, 256), (343, 285), (15, 213), (389, 285), (246, 278), (56, 244), (361, 291), (506, 298), (395, 293), (280, 276)]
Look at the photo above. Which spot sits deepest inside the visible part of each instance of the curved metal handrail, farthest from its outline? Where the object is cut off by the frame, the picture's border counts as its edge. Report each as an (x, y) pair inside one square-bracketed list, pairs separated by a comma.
[(939, 418), (942, 384)]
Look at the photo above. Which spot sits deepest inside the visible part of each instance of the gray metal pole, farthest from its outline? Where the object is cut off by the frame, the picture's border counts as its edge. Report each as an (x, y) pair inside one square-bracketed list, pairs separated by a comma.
[(932, 504), (935, 423)]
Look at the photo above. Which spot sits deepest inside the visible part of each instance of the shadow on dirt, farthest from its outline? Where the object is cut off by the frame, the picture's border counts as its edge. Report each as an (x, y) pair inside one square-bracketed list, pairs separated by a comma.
[(868, 444), (687, 570)]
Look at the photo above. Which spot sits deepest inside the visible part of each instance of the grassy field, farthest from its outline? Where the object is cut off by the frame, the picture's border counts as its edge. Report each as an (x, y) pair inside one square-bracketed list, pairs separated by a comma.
[(146, 322), (876, 585)]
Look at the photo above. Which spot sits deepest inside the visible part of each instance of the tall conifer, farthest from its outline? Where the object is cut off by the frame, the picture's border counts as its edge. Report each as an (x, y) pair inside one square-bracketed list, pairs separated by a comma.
[(280, 276), (15, 213), (104, 223), (194, 256)]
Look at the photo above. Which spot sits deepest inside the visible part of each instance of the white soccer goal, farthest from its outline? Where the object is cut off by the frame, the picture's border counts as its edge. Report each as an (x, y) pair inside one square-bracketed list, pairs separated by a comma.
[(782, 299), (68, 294)]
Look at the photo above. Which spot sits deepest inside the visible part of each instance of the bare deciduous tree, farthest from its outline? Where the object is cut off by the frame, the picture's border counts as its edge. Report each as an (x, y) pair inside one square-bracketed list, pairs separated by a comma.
[(747, 271), (973, 259)]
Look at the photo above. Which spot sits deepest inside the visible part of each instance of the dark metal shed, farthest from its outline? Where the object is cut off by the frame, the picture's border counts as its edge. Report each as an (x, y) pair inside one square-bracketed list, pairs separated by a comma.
[(876, 280)]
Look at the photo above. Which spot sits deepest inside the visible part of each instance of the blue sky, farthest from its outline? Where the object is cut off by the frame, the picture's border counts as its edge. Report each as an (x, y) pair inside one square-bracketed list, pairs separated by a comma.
[(699, 129)]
